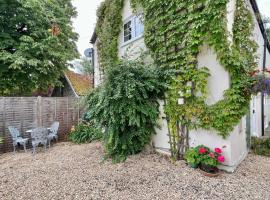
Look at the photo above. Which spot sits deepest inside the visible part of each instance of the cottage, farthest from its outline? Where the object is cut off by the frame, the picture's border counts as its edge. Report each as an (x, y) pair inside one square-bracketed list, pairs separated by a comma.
[(132, 39), (73, 85)]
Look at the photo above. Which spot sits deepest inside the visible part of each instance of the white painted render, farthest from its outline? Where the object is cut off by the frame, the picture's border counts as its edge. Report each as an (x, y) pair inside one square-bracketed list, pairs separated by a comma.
[(97, 73), (129, 49), (219, 79), (235, 146), (256, 102)]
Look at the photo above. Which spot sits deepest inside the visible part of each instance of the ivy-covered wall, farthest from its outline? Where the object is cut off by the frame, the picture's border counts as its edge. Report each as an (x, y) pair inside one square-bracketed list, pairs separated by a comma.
[(174, 33)]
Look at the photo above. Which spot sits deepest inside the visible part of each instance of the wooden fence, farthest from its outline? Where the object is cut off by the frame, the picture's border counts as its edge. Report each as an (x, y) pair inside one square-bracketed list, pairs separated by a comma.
[(26, 113)]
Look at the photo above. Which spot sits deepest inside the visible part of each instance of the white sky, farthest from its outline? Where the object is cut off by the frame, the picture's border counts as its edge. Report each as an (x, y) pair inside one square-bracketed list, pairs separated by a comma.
[(264, 7), (84, 24)]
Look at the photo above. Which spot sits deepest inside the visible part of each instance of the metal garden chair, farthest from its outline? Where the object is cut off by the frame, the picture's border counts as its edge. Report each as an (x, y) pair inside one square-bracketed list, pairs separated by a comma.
[(39, 136), (53, 132), (17, 138)]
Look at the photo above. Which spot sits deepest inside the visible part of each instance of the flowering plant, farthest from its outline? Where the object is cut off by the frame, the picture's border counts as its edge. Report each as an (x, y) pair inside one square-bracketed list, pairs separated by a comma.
[(261, 83), (202, 155)]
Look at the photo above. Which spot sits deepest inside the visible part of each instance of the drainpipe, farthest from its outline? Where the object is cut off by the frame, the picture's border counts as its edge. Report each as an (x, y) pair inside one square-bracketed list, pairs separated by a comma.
[(93, 65), (262, 100)]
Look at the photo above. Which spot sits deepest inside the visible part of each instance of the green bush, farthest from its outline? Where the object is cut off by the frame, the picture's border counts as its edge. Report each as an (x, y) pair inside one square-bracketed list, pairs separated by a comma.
[(85, 133), (261, 146), (126, 107)]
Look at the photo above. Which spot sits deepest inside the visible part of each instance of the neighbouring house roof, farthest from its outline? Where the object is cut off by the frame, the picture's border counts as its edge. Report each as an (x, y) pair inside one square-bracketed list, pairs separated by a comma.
[(80, 84), (255, 9)]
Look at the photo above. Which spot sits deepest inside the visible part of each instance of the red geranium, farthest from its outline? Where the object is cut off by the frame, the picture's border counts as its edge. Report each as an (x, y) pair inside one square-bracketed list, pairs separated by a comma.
[(218, 150), (202, 150), (221, 159), (212, 155)]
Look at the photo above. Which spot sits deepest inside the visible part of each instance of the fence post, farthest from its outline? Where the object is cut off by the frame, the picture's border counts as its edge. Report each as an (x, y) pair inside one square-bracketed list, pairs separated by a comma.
[(39, 111), (68, 128), (55, 107), (4, 126)]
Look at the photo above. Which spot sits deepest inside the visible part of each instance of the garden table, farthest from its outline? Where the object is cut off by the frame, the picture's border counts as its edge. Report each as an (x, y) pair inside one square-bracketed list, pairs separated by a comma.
[(31, 130)]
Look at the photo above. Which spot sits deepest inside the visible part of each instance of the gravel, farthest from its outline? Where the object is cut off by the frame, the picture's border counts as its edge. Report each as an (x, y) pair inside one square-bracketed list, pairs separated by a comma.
[(69, 171)]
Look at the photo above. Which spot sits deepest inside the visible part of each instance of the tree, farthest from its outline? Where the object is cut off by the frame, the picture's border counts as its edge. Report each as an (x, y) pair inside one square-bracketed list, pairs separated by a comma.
[(36, 41), (87, 66)]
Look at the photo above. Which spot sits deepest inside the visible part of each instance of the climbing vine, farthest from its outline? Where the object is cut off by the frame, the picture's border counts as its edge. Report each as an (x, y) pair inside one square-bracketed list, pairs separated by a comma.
[(108, 29), (174, 33)]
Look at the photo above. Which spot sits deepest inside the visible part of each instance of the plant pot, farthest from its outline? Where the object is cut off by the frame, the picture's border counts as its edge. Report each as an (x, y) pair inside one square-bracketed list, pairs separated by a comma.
[(209, 171), (193, 165)]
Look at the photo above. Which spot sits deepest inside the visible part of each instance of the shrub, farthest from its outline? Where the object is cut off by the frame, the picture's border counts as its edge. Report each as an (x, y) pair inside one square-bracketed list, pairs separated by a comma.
[(126, 107), (261, 146), (85, 133)]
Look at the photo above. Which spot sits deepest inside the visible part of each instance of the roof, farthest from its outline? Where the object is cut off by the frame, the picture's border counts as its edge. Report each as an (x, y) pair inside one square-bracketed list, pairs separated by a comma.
[(257, 13), (80, 84), (94, 37)]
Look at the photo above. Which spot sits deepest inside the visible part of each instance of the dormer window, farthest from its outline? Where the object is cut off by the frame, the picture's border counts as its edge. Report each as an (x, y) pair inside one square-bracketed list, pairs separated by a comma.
[(133, 28)]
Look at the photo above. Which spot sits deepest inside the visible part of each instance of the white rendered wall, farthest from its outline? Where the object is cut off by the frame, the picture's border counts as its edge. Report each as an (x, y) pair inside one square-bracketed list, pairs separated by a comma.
[(133, 49), (255, 105), (97, 74), (219, 79), (235, 146)]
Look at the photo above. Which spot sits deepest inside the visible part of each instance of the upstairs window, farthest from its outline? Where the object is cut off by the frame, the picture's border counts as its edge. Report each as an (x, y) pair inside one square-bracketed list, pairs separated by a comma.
[(127, 31), (133, 28)]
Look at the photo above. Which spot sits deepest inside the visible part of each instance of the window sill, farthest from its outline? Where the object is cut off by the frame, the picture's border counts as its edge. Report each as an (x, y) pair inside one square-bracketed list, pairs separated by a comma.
[(131, 41)]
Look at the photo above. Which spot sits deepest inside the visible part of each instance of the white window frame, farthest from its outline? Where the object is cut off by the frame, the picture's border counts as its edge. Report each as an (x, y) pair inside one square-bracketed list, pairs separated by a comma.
[(134, 27)]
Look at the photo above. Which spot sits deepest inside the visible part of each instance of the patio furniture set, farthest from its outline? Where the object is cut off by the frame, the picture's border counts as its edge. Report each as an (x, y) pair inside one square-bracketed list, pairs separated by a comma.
[(39, 135)]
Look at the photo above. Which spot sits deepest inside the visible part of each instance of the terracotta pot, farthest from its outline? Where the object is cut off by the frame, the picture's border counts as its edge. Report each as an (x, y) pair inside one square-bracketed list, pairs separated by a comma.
[(209, 170), (210, 174)]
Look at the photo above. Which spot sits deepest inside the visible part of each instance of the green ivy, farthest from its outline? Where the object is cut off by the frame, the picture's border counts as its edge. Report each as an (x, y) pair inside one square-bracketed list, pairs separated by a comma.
[(108, 29), (174, 32)]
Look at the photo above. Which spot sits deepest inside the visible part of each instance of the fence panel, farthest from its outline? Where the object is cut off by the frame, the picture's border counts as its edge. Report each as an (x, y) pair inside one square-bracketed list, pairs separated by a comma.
[(26, 113)]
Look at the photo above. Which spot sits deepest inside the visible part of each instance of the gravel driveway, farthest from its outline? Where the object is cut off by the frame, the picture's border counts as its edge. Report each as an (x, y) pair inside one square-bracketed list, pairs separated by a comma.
[(69, 172)]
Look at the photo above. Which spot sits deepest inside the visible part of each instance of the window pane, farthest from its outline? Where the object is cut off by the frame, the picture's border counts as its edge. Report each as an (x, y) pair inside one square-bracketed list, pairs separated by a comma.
[(127, 31)]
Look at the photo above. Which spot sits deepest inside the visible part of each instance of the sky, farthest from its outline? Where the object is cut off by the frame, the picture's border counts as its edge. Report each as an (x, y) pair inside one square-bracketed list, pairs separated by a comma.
[(264, 7), (85, 22)]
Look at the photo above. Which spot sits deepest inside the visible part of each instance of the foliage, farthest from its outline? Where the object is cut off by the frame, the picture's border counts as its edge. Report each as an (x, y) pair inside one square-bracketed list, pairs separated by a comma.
[(85, 132), (36, 40), (108, 29), (174, 32), (261, 146), (1, 140), (192, 156), (87, 67), (202, 155), (125, 106)]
